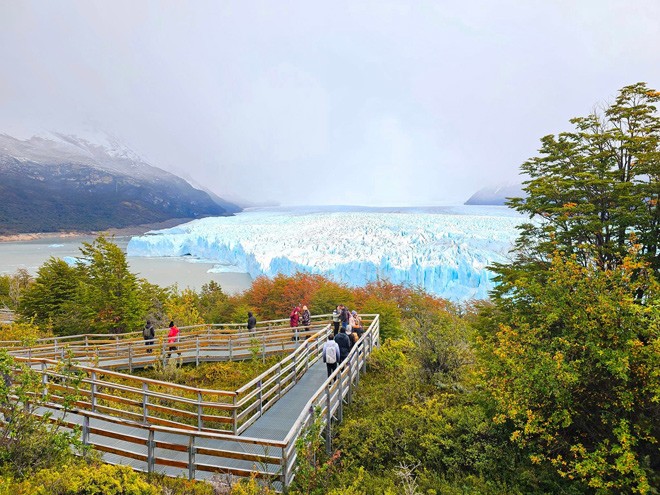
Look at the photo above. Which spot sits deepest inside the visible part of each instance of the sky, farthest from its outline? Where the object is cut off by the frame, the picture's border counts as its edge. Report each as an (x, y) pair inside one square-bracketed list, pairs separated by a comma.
[(381, 102)]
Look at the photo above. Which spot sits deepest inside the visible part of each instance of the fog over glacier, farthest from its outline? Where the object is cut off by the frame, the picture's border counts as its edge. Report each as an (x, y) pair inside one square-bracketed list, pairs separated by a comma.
[(445, 250)]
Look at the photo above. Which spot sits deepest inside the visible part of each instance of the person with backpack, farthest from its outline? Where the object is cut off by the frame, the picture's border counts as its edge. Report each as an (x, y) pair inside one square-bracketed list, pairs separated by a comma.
[(149, 334), (252, 322), (344, 344), (173, 339), (331, 354)]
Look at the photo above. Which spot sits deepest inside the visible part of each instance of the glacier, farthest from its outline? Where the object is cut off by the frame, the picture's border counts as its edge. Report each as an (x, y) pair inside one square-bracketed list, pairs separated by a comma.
[(444, 250)]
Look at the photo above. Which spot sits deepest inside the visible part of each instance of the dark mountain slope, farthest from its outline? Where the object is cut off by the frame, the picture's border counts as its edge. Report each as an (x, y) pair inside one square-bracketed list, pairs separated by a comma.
[(70, 184)]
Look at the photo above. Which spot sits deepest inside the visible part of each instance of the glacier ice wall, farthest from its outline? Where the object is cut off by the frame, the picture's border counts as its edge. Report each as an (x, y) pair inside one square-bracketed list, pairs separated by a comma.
[(446, 252)]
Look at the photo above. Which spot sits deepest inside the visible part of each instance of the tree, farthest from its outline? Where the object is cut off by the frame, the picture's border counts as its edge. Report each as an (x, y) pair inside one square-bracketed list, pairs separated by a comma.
[(109, 293), (30, 438), (569, 350), (595, 191), (572, 362), (44, 301)]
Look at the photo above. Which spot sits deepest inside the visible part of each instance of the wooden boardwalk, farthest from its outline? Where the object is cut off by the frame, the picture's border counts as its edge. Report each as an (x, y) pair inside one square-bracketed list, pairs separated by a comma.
[(258, 426)]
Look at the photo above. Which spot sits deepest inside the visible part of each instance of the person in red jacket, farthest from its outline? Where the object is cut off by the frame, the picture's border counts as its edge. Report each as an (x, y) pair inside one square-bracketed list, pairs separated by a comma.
[(173, 339), (294, 318)]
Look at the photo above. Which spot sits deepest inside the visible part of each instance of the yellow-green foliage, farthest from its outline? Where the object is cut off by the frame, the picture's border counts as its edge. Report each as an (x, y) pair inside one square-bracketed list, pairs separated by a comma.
[(250, 487), (215, 376), (22, 333), (81, 479), (572, 362)]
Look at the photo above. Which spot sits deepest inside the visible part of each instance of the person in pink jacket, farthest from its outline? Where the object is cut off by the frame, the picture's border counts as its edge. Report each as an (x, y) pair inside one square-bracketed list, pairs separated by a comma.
[(173, 339)]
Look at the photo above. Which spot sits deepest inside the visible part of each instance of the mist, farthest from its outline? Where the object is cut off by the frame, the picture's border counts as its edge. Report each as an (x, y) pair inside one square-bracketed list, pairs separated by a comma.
[(371, 103)]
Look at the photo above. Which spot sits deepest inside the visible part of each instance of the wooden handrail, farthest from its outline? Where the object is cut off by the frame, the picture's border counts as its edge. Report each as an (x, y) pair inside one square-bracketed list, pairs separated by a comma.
[(247, 405), (111, 337)]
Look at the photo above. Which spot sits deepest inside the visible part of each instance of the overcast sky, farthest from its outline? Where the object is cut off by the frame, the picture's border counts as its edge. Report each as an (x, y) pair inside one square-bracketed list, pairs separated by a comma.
[(309, 102)]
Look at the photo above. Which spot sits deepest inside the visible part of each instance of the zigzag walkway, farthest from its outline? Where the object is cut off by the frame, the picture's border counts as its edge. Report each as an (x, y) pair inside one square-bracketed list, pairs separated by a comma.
[(262, 420)]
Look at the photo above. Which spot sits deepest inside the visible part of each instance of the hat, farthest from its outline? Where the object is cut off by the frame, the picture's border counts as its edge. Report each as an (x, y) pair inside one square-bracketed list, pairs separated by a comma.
[(354, 312)]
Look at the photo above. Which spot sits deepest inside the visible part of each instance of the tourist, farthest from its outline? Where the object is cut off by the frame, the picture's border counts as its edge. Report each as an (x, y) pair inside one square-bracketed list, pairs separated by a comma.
[(173, 339), (344, 315), (331, 353), (149, 334), (357, 324), (293, 320), (335, 320), (251, 323), (306, 318), (344, 344)]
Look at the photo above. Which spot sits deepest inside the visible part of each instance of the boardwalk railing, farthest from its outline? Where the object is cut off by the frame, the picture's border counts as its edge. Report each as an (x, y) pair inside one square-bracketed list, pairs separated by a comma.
[(195, 344), (6, 316), (94, 339), (178, 429)]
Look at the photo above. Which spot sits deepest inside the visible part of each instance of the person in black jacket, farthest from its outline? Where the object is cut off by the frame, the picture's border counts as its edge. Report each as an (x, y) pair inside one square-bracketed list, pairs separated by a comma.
[(344, 344), (149, 333), (252, 322)]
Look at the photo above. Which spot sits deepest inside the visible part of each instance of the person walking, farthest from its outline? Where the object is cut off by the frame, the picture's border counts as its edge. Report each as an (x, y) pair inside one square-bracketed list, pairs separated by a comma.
[(331, 353), (344, 344), (173, 339), (344, 315), (357, 324), (149, 334), (251, 323), (294, 318), (306, 318), (335, 320)]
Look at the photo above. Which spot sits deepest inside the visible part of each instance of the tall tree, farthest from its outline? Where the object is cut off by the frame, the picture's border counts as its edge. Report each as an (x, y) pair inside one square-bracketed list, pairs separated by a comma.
[(569, 350), (109, 293), (45, 301), (595, 191)]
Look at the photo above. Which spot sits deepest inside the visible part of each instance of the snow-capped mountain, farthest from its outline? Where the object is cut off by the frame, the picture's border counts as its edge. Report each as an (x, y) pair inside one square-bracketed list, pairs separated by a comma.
[(496, 195), (57, 181), (444, 250)]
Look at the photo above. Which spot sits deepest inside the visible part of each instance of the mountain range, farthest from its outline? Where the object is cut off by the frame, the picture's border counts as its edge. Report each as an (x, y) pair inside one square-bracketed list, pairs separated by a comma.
[(60, 182)]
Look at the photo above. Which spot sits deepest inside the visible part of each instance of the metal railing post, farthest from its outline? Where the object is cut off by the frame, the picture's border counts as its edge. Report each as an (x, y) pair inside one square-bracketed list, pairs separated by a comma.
[(191, 457), (151, 461), (340, 408), (93, 391), (349, 366), (263, 352), (130, 357), (200, 423), (85, 430), (145, 401), (328, 421), (234, 414), (261, 399), (44, 378), (279, 379), (306, 355), (197, 351)]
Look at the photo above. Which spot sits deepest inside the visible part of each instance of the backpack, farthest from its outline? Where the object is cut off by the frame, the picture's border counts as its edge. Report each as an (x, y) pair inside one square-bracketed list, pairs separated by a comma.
[(331, 354), (147, 332)]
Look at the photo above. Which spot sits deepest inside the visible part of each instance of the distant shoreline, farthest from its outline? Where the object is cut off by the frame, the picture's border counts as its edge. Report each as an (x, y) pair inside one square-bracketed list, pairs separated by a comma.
[(124, 231)]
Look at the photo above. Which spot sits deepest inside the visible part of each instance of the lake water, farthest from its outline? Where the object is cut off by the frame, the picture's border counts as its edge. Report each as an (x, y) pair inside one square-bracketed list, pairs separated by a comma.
[(164, 271)]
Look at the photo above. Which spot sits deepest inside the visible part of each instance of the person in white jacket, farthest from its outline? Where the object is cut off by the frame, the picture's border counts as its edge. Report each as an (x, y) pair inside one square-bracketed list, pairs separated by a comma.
[(331, 354)]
